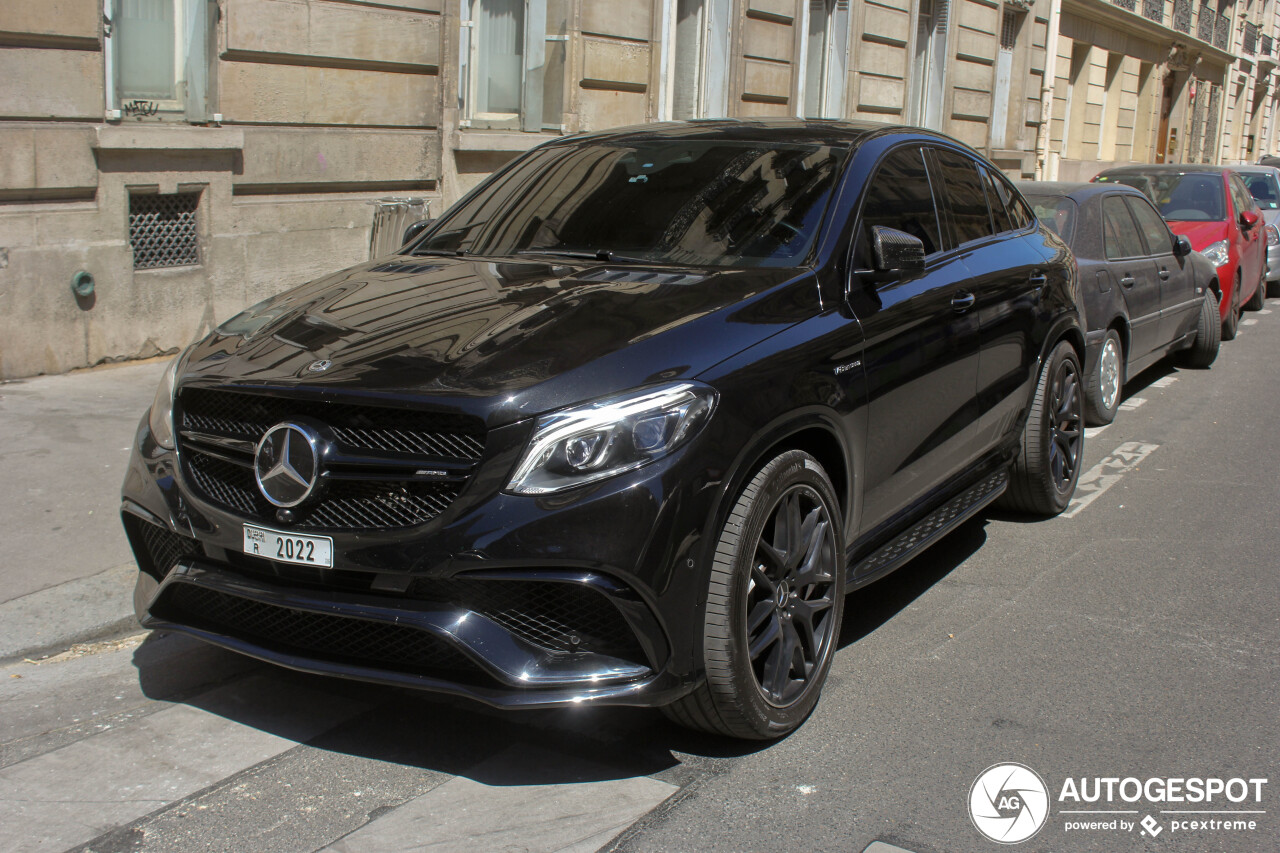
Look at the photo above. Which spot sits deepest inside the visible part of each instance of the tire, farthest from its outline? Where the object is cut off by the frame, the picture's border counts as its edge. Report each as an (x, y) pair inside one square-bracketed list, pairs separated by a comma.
[(757, 591), (1232, 322), (1102, 394), (1259, 298), (1043, 477), (1204, 351)]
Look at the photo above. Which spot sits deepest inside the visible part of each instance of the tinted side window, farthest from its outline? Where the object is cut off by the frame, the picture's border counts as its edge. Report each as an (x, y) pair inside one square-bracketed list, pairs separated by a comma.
[(899, 196), (1240, 196), (1120, 235), (1019, 212), (1154, 231), (999, 211), (965, 196)]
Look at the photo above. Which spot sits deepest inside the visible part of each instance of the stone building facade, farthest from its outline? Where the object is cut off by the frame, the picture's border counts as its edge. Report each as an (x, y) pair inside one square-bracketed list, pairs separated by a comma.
[(196, 156)]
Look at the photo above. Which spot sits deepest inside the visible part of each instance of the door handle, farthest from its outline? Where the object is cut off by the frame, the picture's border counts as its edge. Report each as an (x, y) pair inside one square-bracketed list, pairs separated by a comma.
[(962, 302), (1164, 274), (1127, 281)]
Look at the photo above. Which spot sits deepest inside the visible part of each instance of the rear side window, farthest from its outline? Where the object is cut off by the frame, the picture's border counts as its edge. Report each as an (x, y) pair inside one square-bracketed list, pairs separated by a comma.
[(1120, 235), (1154, 231), (1262, 186), (965, 195), (1240, 196), (899, 197), (1058, 213)]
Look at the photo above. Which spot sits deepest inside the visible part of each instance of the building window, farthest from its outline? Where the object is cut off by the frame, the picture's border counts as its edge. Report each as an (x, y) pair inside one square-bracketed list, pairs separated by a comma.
[(699, 71), (826, 58), (513, 58), (158, 58), (929, 63), (162, 230)]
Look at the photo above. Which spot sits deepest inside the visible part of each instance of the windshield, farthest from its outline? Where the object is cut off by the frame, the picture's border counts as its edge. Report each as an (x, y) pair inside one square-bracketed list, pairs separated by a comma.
[(1057, 212), (684, 202), (1181, 197), (1262, 186)]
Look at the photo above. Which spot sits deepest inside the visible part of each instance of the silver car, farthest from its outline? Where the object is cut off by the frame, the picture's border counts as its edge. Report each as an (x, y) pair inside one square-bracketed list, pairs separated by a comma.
[(1264, 185)]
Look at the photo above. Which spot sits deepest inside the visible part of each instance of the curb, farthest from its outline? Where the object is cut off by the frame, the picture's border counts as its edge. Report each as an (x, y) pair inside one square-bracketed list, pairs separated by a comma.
[(78, 611)]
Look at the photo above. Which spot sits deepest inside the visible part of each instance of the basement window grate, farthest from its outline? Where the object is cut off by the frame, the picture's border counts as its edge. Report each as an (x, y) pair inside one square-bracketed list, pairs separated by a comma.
[(162, 230)]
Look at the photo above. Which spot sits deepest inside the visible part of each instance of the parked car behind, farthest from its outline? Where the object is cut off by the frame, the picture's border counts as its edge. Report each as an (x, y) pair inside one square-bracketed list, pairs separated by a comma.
[(1147, 293), (1210, 206), (1263, 183), (623, 425)]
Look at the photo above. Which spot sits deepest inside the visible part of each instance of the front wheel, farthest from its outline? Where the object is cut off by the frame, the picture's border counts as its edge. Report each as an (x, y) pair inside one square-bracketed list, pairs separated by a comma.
[(1102, 399), (1204, 350), (1231, 323), (1044, 475), (774, 602)]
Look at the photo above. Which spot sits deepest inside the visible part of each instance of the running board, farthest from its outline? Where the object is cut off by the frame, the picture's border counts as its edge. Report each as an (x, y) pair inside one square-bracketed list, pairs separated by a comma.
[(929, 530)]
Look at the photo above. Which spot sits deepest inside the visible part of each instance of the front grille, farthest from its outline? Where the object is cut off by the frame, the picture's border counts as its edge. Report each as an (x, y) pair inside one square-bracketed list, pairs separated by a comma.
[(248, 416), (351, 499), (339, 639), (564, 617), (157, 549)]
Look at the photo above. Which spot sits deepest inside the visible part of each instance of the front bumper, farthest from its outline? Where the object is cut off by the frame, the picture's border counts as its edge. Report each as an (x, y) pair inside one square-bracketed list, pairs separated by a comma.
[(612, 567)]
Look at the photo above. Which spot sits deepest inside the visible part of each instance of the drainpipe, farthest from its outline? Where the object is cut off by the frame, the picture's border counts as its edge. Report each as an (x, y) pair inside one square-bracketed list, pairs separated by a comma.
[(1046, 92)]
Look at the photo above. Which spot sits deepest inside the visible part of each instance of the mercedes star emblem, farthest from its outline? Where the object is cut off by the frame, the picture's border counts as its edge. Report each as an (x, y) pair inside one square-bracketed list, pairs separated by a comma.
[(320, 366), (287, 464)]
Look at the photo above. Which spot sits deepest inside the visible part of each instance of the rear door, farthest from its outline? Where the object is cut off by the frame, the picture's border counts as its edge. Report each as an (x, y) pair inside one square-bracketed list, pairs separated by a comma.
[(1135, 270), (921, 346), (1179, 301)]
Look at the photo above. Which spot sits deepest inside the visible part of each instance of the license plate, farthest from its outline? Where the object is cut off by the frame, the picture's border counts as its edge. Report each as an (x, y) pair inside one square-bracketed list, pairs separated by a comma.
[(288, 547)]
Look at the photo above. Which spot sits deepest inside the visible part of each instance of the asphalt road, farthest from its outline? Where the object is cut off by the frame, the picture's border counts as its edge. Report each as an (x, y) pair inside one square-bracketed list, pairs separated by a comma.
[(1134, 638)]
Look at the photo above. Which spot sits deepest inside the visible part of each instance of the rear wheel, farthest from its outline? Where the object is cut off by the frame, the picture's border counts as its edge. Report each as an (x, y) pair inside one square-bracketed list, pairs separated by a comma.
[(1205, 349), (1043, 477), (774, 602), (1103, 396), (1232, 321), (1259, 297)]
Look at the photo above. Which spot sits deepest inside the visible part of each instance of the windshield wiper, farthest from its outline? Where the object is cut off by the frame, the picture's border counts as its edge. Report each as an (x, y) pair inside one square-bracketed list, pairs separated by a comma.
[(604, 255)]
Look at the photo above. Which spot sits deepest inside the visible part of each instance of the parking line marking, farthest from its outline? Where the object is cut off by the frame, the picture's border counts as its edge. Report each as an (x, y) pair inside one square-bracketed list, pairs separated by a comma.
[(1132, 403), (1107, 473), (1094, 432), (1248, 321), (1164, 381), (1265, 311)]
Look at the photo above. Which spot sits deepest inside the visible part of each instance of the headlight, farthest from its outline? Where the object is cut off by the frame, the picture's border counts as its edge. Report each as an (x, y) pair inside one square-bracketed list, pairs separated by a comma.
[(1216, 253), (605, 438), (1273, 236), (161, 419)]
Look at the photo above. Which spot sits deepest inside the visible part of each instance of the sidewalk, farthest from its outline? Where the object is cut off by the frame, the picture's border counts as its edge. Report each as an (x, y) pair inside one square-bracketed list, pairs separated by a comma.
[(67, 569)]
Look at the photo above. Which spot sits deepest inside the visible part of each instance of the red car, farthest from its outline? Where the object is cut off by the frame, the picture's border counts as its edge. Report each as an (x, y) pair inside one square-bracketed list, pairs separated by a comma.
[(1213, 208)]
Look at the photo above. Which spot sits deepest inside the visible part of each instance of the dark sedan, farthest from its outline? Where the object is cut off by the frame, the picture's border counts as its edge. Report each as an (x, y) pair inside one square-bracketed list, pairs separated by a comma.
[(623, 425), (1147, 294)]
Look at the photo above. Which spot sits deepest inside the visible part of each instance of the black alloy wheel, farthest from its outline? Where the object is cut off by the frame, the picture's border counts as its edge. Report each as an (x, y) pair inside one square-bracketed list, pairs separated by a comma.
[(1043, 476), (775, 598), (789, 598)]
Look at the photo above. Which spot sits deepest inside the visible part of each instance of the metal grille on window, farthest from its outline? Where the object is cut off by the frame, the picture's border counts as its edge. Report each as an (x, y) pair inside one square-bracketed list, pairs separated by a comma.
[(1182, 16), (162, 230), (1009, 29), (1250, 45), (1153, 10), (1204, 23)]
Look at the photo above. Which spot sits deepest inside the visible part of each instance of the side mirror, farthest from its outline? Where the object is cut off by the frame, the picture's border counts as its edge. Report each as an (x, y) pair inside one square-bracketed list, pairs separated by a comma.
[(896, 251), (1181, 246), (414, 230), (1248, 219)]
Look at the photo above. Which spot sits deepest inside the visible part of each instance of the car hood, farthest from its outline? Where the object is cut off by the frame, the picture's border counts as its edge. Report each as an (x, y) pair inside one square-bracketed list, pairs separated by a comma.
[(498, 340), (1201, 234)]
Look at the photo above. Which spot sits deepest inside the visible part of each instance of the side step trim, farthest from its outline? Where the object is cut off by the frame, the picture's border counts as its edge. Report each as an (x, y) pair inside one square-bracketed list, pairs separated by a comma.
[(928, 530)]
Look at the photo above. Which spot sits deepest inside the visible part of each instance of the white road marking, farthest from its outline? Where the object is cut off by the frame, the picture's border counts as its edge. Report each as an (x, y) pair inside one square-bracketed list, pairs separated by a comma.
[(1265, 311), (76, 793), (1107, 473), (467, 815), (1094, 432), (1132, 403), (1248, 321), (1164, 381)]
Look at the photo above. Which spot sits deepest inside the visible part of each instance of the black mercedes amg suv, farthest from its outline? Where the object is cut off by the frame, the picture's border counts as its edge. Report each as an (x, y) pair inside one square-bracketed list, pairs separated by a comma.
[(623, 426)]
